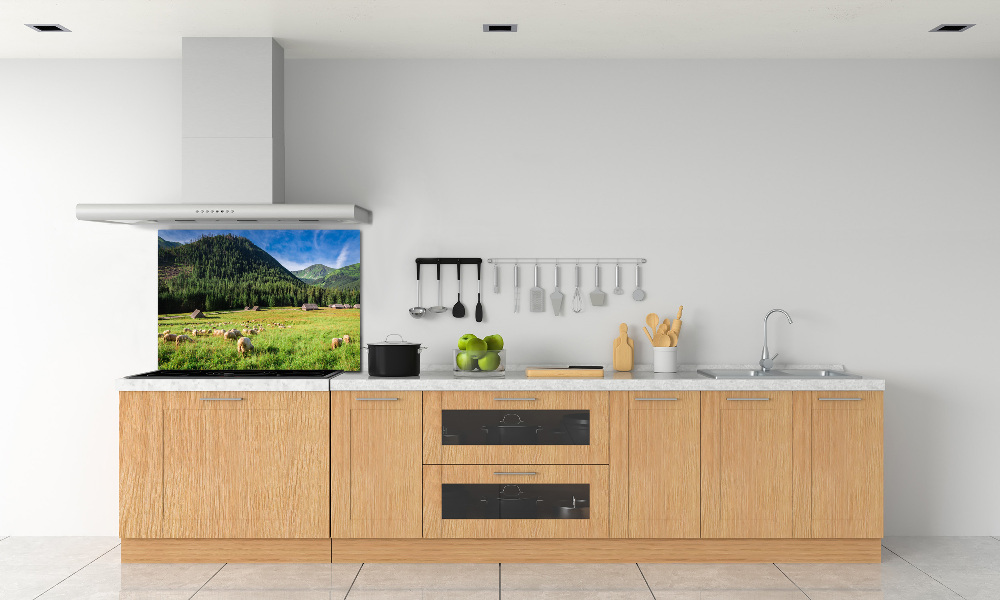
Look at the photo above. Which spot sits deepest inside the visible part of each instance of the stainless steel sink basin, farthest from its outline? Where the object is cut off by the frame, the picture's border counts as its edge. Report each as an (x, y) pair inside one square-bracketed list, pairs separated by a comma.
[(777, 374), (819, 373)]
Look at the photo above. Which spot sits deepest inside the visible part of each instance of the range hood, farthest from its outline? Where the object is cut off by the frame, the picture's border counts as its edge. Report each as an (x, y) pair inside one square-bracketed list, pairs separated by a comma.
[(233, 145)]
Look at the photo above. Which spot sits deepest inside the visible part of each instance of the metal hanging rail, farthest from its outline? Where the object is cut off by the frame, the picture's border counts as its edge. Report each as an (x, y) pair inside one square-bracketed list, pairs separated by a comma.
[(566, 261)]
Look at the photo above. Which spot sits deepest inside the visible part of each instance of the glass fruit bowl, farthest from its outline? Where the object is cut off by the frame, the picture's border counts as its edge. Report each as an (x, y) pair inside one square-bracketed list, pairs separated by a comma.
[(485, 363)]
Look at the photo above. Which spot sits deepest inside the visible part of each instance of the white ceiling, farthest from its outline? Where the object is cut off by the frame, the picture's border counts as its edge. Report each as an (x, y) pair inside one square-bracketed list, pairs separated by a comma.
[(546, 28)]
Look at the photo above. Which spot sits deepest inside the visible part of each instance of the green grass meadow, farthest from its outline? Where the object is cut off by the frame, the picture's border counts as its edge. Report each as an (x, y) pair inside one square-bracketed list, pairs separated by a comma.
[(303, 344)]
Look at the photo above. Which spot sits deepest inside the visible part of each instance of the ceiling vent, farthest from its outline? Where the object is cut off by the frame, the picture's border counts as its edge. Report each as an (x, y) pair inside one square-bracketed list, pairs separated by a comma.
[(45, 28), (510, 28), (952, 27)]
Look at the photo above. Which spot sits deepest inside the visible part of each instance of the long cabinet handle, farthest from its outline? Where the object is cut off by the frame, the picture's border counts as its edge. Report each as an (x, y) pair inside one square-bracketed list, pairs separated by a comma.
[(514, 473), (656, 399), (222, 399), (839, 399), (743, 399), (377, 399), (515, 399)]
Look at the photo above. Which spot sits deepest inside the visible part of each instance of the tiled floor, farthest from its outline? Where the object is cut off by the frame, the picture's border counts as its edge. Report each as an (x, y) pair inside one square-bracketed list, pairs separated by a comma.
[(914, 568)]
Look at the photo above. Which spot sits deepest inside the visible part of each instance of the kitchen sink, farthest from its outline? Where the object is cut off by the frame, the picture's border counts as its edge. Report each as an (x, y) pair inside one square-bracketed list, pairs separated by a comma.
[(777, 374)]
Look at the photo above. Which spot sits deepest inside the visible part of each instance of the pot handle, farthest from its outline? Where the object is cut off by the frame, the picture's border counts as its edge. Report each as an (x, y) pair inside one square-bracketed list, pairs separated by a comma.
[(421, 349), (393, 334)]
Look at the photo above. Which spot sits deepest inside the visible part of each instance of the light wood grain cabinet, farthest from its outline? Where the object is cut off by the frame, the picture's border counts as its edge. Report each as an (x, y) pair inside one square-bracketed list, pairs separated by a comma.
[(842, 495), (515, 427), (515, 501), (746, 465), (663, 464), (231, 464), (375, 483)]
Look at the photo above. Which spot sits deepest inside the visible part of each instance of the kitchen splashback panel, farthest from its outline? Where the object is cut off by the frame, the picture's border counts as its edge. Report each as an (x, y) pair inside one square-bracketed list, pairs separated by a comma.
[(259, 299)]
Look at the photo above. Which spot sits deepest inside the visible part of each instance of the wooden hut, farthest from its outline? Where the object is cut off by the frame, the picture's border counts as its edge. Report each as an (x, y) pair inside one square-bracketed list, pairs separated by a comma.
[(309, 307), (357, 306), (197, 314)]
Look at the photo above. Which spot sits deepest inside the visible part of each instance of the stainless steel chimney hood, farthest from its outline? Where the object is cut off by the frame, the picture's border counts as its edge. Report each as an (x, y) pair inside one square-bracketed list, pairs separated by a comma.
[(233, 145)]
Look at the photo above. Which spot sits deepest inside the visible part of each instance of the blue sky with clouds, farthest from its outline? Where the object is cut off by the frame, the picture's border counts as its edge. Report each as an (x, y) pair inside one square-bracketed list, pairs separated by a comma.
[(295, 249)]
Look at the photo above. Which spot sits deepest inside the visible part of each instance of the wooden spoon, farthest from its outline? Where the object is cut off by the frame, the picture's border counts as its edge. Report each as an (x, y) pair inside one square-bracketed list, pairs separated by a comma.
[(649, 336), (653, 321), (661, 338)]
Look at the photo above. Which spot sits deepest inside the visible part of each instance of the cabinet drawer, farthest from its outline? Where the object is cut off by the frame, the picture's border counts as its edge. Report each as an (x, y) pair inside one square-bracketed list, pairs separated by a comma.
[(516, 427), (240, 400), (515, 501)]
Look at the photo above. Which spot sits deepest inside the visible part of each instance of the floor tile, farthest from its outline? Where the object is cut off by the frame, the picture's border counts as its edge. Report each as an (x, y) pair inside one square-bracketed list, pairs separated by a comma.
[(842, 577), (572, 581), (572, 577), (64, 551), (748, 595), (271, 594), (335, 577), (971, 584), (426, 582), (24, 582), (665, 577), (958, 552), (166, 577)]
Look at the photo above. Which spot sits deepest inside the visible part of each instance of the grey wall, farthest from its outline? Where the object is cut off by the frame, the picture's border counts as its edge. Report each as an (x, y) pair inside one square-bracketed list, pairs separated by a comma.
[(858, 195)]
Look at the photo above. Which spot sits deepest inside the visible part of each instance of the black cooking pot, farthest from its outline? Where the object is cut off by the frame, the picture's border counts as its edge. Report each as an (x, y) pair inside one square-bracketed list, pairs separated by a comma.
[(394, 359), (515, 504), (513, 432), (577, 427)]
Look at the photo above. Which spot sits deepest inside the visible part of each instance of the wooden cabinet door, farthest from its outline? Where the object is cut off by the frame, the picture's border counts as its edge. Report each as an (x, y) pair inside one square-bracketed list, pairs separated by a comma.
[(746, 457), (246, 465), (479, 488), (553, 446), (663, 461), (847, 464), (140, 464), (376, 465)]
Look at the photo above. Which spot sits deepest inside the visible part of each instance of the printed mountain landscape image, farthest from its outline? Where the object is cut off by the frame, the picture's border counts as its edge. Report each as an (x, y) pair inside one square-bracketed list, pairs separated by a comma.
[(259, 299)]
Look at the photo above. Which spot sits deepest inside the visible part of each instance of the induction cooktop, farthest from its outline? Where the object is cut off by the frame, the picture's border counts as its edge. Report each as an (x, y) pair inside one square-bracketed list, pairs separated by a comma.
[(284, 374)]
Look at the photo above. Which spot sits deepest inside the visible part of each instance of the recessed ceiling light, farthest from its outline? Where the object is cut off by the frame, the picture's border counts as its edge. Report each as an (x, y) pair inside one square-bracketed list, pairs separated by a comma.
[(506, 27), (44, 28), (952, 27)]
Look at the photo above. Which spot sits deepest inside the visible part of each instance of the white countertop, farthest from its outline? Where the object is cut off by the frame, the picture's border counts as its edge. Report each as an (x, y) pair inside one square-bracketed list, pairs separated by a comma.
[(641, 379)]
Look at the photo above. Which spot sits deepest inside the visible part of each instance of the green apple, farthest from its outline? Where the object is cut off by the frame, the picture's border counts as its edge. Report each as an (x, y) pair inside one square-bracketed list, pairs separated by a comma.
[(490, 362), (476, 347), (462, 341), (465, 361), (494, 342)]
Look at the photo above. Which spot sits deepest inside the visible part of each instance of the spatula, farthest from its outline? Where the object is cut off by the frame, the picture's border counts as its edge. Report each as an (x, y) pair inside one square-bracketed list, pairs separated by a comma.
[(536, 296), (479, 297), (458, 311), (557, 296), (597, 297)]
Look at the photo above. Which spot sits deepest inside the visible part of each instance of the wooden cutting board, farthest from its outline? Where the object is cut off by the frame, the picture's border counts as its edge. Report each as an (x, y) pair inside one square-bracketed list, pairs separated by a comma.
[(563, 372), (623, 350)]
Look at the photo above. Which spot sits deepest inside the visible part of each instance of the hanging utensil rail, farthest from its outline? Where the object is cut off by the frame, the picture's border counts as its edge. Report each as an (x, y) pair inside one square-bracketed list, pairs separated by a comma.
[(566, 261)]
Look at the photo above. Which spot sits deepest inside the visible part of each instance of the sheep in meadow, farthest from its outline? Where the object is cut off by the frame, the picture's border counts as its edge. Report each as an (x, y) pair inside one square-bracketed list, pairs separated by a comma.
[(335, 343), (181, 339), (169, 337), (347, 339), (243, 345), (232, 334)]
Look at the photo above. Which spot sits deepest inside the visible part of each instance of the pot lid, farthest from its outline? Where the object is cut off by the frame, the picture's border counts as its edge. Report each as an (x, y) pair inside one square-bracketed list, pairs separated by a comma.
[(399, 342)]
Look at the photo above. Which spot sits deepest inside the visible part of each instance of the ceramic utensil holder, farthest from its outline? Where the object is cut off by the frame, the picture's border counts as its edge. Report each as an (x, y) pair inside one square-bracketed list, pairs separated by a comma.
[(664, 359)]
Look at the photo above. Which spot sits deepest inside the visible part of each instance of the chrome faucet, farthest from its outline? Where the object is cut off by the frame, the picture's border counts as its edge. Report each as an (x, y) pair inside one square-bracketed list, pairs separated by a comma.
[(766, 360)]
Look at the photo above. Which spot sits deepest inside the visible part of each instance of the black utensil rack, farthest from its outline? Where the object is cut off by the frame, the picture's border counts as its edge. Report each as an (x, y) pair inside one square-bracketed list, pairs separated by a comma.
[(449, 261)]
